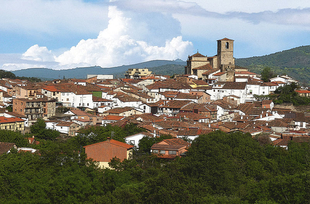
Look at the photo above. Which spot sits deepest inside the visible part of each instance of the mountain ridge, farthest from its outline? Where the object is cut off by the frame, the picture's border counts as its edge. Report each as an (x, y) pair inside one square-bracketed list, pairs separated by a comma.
[(294, 62)]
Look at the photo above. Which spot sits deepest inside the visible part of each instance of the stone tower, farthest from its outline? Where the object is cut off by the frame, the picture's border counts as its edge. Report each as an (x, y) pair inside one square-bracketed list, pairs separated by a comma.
[(226, 60)]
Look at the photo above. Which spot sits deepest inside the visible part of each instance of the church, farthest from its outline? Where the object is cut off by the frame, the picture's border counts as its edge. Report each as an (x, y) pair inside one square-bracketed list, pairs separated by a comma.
[(220, 67)]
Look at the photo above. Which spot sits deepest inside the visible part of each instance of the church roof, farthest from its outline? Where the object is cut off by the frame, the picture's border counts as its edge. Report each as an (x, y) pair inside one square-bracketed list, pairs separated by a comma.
[(198, 55), (226, 39), (204, 67)]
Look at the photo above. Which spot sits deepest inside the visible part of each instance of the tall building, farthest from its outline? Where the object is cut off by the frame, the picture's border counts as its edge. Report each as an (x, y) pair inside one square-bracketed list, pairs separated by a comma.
[(224, 61), (34, 108)]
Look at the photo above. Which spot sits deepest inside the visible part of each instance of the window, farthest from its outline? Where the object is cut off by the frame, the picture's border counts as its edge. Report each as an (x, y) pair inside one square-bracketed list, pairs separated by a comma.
[(155, 151), (227, 45), (173, 152), (162, 152), (87, 104), (67, 99)]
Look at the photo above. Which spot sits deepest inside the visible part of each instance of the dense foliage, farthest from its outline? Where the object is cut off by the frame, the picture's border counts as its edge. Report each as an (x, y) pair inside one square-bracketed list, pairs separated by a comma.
[(267, 74), (218, 168), (39, 130)]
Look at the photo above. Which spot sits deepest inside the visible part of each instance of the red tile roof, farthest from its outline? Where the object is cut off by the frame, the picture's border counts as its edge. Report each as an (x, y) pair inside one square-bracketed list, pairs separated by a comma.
[(198, 55), (112, 117), (10, 120), (302, 91), (114, 142), (219, 74)]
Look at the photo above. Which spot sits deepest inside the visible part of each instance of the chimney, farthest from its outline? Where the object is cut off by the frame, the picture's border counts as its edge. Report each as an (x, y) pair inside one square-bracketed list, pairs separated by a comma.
[(108, 138)]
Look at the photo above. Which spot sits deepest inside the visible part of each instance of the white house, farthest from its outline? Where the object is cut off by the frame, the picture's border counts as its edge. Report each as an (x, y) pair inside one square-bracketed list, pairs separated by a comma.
[(219, 90), (134, 139)]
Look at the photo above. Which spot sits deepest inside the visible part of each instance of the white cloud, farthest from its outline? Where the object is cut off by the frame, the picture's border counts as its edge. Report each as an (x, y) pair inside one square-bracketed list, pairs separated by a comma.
[(119, 44), (37, 53)]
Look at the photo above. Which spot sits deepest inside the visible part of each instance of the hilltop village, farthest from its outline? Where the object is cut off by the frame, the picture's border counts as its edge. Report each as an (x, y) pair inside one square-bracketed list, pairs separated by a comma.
[(212, 94)]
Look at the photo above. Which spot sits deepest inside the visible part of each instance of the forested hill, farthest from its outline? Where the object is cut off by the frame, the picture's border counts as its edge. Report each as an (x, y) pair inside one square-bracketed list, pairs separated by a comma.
[(157, 66), (294, 62)]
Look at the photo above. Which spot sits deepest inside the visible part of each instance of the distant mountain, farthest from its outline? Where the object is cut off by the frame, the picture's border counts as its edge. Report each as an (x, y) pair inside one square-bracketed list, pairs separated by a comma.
[(81, 73), (294, 62)]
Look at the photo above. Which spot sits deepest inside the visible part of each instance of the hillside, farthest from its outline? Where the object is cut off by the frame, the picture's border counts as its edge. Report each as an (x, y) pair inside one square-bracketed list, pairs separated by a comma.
[(79, 73), (294, 62)]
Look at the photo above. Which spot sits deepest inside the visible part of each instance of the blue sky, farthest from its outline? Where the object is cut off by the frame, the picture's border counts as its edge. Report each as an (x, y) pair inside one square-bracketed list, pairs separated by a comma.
[(63, 34)]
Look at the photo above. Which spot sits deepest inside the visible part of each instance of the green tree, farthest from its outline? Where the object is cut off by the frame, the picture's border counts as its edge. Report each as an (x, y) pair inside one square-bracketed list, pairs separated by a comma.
[(39, 130), (267, 74), (13, 137)]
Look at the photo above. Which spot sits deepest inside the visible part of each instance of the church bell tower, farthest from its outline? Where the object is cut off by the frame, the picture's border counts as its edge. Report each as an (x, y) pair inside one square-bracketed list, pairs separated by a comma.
[(226, 60)]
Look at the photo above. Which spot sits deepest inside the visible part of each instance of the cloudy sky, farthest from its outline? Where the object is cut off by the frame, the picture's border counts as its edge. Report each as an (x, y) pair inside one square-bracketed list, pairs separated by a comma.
[(62, 34)]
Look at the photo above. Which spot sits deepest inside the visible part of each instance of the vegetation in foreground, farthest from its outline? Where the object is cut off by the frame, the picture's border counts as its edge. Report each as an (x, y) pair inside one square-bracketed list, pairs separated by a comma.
[(218, 168)]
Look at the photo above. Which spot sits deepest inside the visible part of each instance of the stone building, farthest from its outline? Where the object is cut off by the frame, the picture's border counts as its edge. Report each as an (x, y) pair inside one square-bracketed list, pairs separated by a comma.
[(137, 73), (224, 61), (34, 108)]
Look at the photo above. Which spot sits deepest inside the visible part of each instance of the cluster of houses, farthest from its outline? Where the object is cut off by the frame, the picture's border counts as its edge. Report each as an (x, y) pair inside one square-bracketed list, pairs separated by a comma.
[(213, 94)]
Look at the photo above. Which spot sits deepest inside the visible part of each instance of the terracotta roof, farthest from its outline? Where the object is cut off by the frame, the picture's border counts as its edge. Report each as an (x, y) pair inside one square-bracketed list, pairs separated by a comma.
[(302, 91), (114, 142), (10, 120), (16, 114), (204, 67), (190, 116), (226, 39), (79, 112), (50, 88), (169, 84), (210, 71), (119, 110), (112, 117), (193, 132), (125, 98), (198, 55), (246, 108), (170, 144), (5, 147), (187, 96), (219, 74), (266, 101), (269, 84)]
